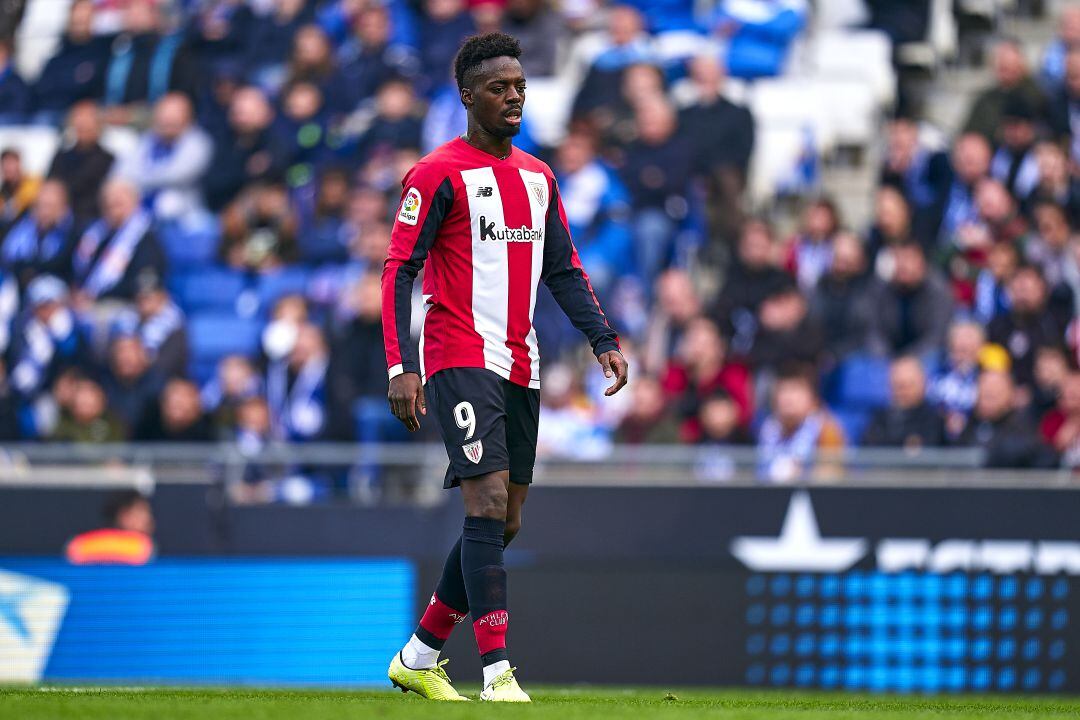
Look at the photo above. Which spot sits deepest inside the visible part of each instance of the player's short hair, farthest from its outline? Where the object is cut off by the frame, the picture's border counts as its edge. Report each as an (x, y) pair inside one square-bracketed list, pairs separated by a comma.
[(479, 48)]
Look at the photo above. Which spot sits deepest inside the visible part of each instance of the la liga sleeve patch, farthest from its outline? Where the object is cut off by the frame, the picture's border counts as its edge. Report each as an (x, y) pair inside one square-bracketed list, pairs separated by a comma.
[(410, 207)]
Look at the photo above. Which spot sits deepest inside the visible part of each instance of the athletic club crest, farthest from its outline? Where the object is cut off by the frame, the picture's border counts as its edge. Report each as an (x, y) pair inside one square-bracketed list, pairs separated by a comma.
[(539, 192), (474, 451)]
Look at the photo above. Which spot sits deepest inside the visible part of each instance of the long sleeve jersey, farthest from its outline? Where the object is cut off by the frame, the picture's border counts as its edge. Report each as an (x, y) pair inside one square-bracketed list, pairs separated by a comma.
[(489, 230)]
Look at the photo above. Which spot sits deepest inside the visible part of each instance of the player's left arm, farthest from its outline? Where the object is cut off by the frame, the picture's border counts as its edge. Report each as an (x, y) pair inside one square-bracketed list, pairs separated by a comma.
[(570, 286)]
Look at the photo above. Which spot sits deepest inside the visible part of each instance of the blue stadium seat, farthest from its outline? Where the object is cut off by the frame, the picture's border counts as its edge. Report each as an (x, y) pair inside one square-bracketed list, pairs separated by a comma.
[(213, 335), (209, 288), (189, 248), (287, 281), (860, 383), (853, 422)]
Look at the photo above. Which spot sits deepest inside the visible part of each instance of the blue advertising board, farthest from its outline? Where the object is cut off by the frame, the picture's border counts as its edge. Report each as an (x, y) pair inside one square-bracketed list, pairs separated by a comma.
[(304, 622)]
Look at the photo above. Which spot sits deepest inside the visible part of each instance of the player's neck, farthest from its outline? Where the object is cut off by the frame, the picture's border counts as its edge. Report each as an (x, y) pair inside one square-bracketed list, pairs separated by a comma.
[(500, 147)]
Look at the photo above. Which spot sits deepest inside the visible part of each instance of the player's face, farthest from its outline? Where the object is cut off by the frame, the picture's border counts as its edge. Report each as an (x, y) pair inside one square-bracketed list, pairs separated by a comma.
[(497, 97)]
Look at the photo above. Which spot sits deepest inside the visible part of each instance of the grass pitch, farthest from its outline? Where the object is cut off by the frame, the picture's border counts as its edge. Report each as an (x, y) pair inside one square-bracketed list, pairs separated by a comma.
[(60, 703)]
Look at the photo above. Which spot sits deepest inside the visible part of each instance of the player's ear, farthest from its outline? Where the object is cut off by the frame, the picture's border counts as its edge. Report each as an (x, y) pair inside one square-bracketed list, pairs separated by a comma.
[(466, 97)]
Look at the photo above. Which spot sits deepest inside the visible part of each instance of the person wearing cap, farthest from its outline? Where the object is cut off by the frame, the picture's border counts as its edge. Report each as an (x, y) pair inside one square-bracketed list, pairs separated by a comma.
[(47, 340), (1014, 163), (160, 325)]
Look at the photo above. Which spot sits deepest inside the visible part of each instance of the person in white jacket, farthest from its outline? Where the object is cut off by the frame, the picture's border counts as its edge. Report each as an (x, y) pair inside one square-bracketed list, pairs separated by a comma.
[(170, 160)]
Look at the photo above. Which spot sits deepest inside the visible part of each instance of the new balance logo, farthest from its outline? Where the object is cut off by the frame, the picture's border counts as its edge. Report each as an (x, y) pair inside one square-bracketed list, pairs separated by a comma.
[(485, 191), (488, 233)]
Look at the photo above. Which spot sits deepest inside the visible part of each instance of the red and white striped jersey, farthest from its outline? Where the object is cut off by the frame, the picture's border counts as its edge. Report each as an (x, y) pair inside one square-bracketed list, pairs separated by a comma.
[(489, 231)]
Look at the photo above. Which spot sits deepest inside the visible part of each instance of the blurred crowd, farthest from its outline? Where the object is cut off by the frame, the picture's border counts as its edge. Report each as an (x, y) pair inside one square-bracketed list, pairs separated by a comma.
[(218, 279)]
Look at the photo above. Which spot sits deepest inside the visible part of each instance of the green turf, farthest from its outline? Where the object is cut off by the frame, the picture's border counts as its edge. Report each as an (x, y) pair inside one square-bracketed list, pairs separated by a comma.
[(58, 703)]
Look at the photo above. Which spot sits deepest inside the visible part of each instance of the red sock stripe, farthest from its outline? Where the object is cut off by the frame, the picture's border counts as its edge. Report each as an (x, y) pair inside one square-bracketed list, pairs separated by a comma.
[(439, 618), (491, 631)]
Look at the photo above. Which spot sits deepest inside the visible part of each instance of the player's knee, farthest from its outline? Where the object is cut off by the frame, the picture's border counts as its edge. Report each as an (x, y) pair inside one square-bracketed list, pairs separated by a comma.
[(490, 502)]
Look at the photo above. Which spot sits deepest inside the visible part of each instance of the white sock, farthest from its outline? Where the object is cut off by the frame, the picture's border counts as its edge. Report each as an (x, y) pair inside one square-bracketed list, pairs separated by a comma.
[(494, 670), (418, 656)]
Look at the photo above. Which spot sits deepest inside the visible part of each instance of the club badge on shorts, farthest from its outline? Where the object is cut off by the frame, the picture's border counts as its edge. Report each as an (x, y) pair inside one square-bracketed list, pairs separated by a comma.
[(474, 451)]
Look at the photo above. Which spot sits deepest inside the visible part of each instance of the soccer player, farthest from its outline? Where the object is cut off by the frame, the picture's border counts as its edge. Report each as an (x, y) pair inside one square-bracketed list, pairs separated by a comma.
[(488, 220)]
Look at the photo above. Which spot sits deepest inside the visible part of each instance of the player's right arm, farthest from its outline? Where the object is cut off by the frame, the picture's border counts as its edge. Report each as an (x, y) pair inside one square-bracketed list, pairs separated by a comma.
[(426, 198)]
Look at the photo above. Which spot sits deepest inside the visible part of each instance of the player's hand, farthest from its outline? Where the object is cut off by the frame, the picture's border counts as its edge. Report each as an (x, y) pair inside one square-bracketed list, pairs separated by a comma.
[(406, 396), (614, 364)]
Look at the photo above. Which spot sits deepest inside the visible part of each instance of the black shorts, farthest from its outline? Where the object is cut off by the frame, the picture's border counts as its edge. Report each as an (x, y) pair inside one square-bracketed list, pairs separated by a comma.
[(487, 424)]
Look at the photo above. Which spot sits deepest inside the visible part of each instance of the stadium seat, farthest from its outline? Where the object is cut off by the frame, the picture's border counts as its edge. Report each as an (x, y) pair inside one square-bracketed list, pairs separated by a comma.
[(853, 111), (776, 156), (860, 383), (864, 55), (792, 102), (38, 36), (213, 335), (853, 422), (120, 141), (36, 145), (189, 249), (287, 281), (208, 288)]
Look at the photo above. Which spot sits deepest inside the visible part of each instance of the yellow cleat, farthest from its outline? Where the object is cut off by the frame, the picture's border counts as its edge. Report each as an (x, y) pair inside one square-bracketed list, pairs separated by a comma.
[(505, 688), (431, 683)]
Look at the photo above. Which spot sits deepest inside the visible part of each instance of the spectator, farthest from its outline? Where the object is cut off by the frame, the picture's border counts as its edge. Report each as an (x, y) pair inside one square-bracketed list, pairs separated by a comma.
[(355, 371), (147, 61), (911, 167), (259, 230), (178, 417), (9, 309), (116, 249), (841, 304), (1028, 325), (1011, 77), (296, 387), (722, 138), (718, 418), (912, 310), (369, 58), (218, 35), (1050, 247), (331, 284), (698, 370), (677, 305), (910, 421), (626, 44), (955, 205), (325, 231), (443, 25), (1060, 427), (169, 162), (17, 189), (234, 382), (269, 34), (1014, 164), (16, 99), (130, 383), (41, 242), (892, 224), (246, 152), (1065, 106), (82, 164), (1055, 184), (127, 539), (758, 34), (799, 439), (785, 333), (10, 428), (312, 61), (752, 277), (597, 210), (91, 420), (1007, 436), (159, 325), (395, 123), (45, 341), (76, 71), (810, 252), (954, 386), (303, 129), (992, 283), (904, 21), (656, 172), (539, 30), (1051, 370), (649, 420), (1052, 72), (568, 425)]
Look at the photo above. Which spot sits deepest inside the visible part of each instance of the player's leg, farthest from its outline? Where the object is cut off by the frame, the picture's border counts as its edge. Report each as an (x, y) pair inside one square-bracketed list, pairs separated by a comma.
[(516, 495)]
